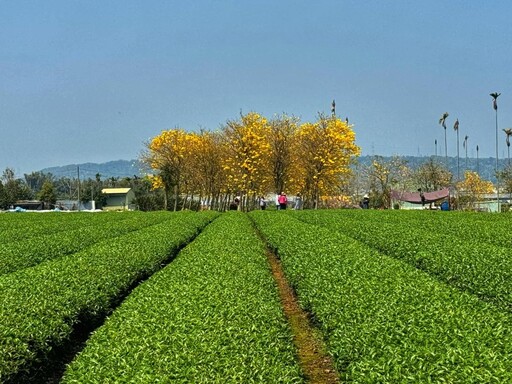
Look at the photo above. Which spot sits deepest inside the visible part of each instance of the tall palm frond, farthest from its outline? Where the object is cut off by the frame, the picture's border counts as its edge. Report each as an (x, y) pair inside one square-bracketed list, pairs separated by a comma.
[(442, 120)]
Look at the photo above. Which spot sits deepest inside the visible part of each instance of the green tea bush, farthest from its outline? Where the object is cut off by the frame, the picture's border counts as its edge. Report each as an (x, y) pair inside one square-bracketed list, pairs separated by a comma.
[(211, 316), (40, 306), (67, 236), (18, 227), (383, 320), (467, 262)]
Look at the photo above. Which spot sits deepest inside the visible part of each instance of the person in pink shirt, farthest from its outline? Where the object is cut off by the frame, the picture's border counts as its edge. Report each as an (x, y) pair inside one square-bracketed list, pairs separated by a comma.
[(282, 200)]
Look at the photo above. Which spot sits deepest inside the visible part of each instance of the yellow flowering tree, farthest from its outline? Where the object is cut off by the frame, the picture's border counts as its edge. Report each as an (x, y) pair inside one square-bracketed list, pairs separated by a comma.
[(283, 131), (247, 153), (252, 157), (472, 189), (385, 175), (323, 153), (206, 166), (167, 153)]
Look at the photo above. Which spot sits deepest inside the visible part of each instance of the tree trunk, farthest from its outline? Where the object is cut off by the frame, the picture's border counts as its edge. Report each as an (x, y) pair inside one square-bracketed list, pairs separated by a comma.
[(165, 198), (190, 201), (185, 198), (175, 197)]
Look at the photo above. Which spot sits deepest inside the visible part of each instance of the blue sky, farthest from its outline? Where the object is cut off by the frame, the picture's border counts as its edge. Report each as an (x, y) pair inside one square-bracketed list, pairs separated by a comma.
[(91, 81)]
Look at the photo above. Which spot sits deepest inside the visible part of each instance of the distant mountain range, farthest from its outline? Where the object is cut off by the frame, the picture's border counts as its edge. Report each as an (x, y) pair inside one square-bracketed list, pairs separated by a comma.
[(484, 166), (130, 168), (117, 168)]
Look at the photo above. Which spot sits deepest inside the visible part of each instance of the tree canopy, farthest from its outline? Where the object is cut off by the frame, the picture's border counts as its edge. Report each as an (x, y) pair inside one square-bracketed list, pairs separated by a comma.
[(253, 156)]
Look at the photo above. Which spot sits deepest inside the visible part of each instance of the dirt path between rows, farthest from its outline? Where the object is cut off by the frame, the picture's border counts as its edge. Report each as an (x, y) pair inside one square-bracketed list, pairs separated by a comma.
[(315, 363)]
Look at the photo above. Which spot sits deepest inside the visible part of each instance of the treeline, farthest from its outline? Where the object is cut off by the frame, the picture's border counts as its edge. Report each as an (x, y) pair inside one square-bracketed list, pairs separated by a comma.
[(49, 189), (375, 178), (249, 157)]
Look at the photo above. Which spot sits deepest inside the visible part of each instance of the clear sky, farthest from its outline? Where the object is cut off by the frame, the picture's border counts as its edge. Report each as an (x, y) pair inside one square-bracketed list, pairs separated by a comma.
[(91, 81)]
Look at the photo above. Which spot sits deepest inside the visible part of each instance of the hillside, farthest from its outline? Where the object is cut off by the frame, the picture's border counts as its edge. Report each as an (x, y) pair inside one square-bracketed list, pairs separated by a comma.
[(130, 168), (484, 166), (117, 168)]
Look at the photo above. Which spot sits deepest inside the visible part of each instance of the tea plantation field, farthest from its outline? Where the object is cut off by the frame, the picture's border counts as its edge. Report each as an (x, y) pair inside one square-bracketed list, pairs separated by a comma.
[(185, 297)]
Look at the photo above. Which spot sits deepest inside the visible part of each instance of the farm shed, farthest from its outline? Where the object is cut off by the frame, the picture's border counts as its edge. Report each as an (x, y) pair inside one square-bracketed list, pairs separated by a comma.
[(32, 205), (118, 199), (410, 200)]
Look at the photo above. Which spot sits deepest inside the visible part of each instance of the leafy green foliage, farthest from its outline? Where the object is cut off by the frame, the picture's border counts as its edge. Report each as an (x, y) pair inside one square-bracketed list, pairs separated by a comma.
[(438, 310), (211, 316), (459, 250), (40, 306), (47, 193), (17, 227), (384, 320), (58, 237)]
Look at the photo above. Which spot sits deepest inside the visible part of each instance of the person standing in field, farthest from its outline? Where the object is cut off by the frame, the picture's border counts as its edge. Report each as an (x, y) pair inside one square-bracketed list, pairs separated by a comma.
[(366, 202), (282, 200), (298, 202), (263, 203)]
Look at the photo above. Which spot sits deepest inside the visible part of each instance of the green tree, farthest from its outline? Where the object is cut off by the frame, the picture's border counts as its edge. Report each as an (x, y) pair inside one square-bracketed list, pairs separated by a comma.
[(14, 189), (35, 180), (505, 177), (147, 198), (432, 176), (3, 197), (90, 190), (385, 175), (47, 194)]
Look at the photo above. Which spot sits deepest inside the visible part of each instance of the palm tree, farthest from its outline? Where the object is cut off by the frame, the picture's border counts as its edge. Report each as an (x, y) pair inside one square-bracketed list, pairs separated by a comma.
[(508, 132), (465, 145), (495, 96), (442, 121), (477, 161), (456, 128)]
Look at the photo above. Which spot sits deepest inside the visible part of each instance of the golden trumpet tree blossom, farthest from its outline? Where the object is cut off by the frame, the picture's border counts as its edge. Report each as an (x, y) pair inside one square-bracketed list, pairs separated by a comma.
[(472, 189), (168, 153), (282, 137), (156, 182), (247, 155), (322, 157), (253, 157), (206, 164)]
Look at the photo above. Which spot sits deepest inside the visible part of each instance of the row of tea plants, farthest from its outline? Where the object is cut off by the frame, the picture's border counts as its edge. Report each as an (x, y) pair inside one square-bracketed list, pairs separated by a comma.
[(463, 258), (397, 296), (384, 320), (211, 316), (40, 306), (56, 237)]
